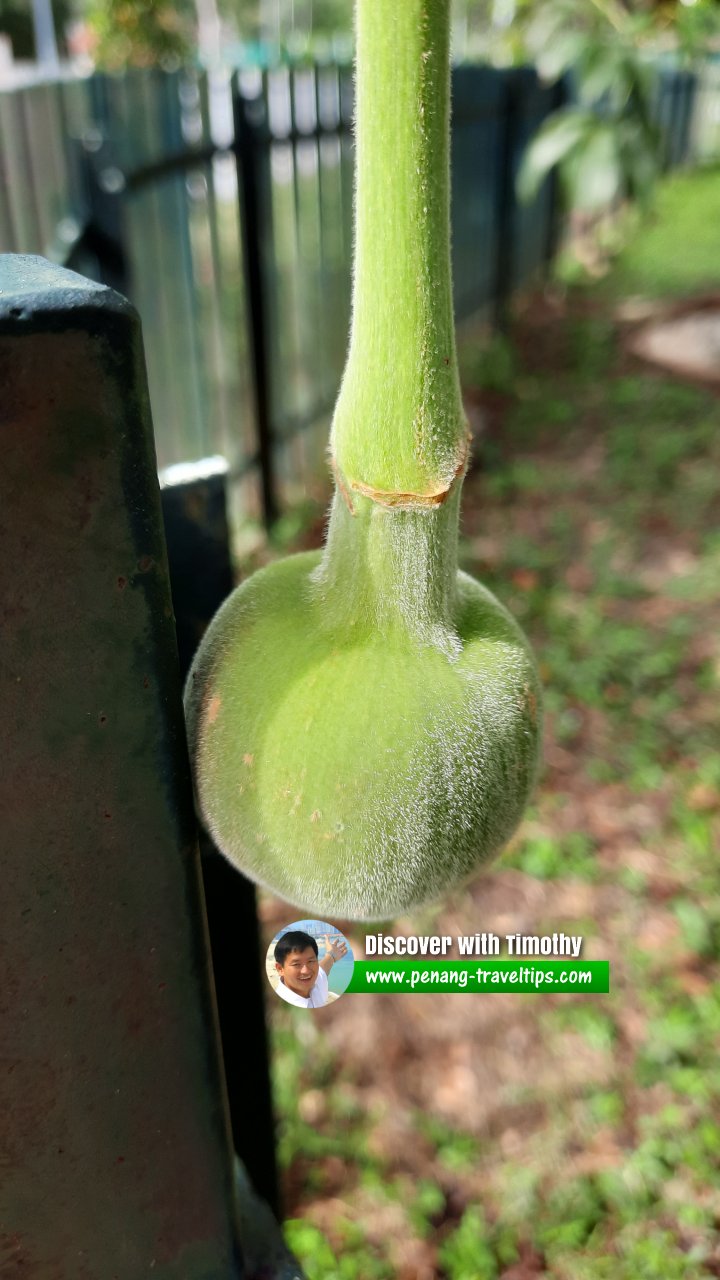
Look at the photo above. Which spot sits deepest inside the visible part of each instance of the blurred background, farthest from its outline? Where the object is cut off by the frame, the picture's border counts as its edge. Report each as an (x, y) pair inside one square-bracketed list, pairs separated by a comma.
[(199, 158)]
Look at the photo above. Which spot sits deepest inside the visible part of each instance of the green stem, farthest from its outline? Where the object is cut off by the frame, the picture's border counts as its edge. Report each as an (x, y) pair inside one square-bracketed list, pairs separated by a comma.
[(399, 438), (391, 572), (399, 427)]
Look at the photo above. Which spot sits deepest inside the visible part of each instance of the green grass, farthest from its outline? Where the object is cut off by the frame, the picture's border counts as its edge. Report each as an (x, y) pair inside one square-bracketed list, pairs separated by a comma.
[(676, 250)]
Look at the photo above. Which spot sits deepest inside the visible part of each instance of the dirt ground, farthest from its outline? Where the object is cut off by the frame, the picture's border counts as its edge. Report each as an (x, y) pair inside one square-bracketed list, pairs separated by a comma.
[(590, 511)]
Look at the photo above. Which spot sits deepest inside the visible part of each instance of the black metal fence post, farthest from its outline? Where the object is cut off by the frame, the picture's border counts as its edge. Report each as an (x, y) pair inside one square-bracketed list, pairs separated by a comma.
[(201, 577), (103, 235), (506, 200), (249, 119), (115, 1141), (684, 112), (559, 98)]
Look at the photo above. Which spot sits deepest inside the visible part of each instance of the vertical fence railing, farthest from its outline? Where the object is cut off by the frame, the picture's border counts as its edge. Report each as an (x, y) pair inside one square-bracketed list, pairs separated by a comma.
[(304, 252), (250, 117), (195, 515), (704, 139), (674, 104)]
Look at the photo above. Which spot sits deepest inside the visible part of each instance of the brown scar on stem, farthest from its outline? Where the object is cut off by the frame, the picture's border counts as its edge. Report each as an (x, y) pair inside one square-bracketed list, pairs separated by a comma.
[(248, 759), (344, 494), (394, 500), (213, 708)]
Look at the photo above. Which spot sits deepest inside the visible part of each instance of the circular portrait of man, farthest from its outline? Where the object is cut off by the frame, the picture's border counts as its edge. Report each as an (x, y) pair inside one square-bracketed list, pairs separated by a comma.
[(309, 964)]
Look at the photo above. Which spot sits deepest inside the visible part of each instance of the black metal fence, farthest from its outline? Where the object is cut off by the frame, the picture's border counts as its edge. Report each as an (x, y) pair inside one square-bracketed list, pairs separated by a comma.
[(222, 206), (109, 1021)]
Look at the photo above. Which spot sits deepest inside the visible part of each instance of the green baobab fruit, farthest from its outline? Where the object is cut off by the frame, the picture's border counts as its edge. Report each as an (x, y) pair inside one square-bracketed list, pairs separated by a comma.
[(364, 731), (363, 721)]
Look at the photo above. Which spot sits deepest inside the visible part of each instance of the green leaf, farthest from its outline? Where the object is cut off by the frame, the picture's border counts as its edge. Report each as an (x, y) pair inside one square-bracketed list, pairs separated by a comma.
[(603, 70), (467, 1253), (557, 137), (545, 25), (640, 160), (309, 1245), (560, 54), (594, 172)]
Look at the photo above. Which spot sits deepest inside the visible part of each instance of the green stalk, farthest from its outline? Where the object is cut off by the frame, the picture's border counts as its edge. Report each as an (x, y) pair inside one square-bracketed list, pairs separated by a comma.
[(399, 436), (399, 426)]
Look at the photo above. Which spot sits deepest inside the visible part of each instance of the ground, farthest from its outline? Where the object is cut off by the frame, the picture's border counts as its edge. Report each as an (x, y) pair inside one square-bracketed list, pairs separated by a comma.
[(570, 1136)]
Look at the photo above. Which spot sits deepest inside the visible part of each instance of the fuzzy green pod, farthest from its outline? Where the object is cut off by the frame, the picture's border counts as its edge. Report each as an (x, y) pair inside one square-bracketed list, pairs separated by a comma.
[(364, 721)]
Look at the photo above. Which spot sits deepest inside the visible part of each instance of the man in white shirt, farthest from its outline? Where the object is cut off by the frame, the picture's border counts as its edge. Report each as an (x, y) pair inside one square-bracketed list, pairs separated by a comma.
[(303, 976)]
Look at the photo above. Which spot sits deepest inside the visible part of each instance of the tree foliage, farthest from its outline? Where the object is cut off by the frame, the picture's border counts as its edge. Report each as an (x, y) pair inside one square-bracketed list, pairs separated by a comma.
[(697, 28), (142, 33), (606, 143)]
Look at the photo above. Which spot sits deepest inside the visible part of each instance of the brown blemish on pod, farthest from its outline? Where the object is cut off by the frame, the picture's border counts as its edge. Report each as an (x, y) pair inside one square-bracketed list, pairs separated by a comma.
[(531, 703)]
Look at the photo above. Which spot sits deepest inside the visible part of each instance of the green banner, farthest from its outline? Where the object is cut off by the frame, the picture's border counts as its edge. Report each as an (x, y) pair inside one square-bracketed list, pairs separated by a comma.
[(480, 976)]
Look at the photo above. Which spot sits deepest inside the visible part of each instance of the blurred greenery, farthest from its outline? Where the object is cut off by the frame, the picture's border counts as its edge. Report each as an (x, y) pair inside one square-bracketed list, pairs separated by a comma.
[(602, 157), (605, 142), (314, 1254), (468, 1253), (593, 515), (141, 33), (676, 252), (152, 32)]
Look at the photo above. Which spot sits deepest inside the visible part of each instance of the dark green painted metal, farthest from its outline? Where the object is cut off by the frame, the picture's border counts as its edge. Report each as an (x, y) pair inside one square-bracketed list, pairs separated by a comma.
[(252, 183), (201, 577), (117, 1160)]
